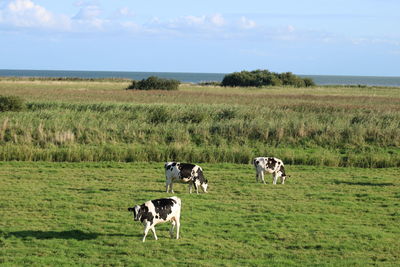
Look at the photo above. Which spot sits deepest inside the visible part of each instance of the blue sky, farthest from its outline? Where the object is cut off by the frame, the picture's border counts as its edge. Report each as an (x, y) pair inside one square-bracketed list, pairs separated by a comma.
[(341, 37)]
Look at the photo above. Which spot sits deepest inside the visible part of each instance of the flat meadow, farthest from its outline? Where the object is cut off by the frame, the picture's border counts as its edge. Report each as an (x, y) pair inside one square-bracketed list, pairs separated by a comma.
[(76, 214), (83, 151)]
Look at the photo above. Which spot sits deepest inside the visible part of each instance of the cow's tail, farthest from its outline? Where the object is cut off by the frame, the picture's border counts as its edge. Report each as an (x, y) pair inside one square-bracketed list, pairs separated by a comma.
[(255, 162)]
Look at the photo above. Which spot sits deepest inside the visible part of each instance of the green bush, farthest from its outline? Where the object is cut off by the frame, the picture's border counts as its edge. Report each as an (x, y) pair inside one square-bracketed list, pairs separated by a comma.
[(154, 83), (11, 103), (259, 78), (210, 83), (308, 82)]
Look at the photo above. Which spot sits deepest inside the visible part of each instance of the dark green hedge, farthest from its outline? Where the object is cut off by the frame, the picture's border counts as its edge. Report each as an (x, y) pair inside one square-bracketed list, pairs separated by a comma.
[(154, 83), (258, 78), (11, 103)]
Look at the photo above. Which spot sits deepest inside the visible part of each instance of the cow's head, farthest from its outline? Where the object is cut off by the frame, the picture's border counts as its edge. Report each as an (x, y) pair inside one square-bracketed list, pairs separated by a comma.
[(204, 186), (136, 212)]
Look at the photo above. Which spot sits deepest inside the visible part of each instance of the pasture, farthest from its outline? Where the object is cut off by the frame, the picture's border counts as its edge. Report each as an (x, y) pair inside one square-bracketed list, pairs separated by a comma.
[(84, 151), (76, 214)]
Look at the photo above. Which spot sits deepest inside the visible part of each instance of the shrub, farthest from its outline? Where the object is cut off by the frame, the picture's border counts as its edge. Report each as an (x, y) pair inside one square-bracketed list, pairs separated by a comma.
[(155, 83), (259, 78), (133, 85), (210, 83), (308, 82), (11, 103)]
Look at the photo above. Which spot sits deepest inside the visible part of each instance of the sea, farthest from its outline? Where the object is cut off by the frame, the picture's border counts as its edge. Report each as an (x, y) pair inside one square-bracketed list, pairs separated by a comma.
[(189, 77)]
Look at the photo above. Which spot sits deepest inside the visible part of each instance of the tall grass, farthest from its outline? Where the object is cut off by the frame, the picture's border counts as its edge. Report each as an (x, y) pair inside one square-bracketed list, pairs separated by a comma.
[(299, 134)]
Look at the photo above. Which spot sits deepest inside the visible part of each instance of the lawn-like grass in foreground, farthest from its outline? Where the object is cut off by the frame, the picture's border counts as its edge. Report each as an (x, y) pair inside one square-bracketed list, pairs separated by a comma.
[(76, 214)]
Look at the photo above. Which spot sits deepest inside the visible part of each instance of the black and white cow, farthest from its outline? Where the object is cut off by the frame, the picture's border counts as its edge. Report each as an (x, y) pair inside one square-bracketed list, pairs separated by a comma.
[(158, 211), (186, 173), (271, 165)]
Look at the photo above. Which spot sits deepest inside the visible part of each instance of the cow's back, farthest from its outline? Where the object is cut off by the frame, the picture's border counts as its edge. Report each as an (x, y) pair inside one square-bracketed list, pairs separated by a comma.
[(186, 169)]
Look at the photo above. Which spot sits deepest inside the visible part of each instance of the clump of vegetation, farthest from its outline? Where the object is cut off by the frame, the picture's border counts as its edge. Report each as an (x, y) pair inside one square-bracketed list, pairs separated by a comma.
[(259, 78), (11, 103), (210, 83), (154, 83)]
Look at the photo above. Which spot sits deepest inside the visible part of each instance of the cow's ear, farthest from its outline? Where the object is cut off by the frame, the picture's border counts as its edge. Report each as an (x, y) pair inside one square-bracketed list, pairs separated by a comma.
[(130, 209)]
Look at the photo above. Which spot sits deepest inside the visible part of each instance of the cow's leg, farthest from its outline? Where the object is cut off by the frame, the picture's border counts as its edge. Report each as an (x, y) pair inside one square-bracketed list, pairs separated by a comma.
[(178, 225), (171, 231), (170, 187), (146, 230), (262, 176), (256, 176), (275, 175), (190, 187), (154, 232), (196, 186)]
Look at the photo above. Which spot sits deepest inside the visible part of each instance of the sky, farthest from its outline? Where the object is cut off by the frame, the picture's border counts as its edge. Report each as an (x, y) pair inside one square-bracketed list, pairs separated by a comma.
[(315, 37)]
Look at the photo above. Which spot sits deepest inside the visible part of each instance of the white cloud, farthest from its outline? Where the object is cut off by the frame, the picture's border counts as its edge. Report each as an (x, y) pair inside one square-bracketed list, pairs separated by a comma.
[(246, 23), (375, 41), (217, 20), (24, 13), (89, 17), (189, 20), (21, 14), (204, 22), (125, 12), (82, 3), (27, 14), (291, 28), (88, 13), (131, 26)]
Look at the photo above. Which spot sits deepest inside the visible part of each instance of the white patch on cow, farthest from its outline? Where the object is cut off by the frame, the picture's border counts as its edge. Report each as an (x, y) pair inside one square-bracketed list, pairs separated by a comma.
[(136, 216)]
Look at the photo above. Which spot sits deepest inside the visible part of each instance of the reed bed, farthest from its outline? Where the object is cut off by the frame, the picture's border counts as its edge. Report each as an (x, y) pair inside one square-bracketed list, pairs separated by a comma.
[(311, 134)]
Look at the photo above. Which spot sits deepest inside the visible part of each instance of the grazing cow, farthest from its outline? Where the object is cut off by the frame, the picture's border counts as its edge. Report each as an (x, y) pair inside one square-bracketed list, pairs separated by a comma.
[(271, 165), (186, 173), (158, 211)]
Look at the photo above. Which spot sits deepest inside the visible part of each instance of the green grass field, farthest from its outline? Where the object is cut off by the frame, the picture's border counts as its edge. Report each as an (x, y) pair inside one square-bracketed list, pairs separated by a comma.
[(84, 151), (65, 214)]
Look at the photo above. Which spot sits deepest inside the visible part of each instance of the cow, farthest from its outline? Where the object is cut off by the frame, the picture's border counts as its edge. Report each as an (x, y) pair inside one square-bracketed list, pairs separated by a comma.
[(271, 165), (158, 211), (186, 173)]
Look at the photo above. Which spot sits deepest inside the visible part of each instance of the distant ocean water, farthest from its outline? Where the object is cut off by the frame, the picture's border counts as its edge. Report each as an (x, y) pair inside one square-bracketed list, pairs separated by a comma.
[(197, 77)]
